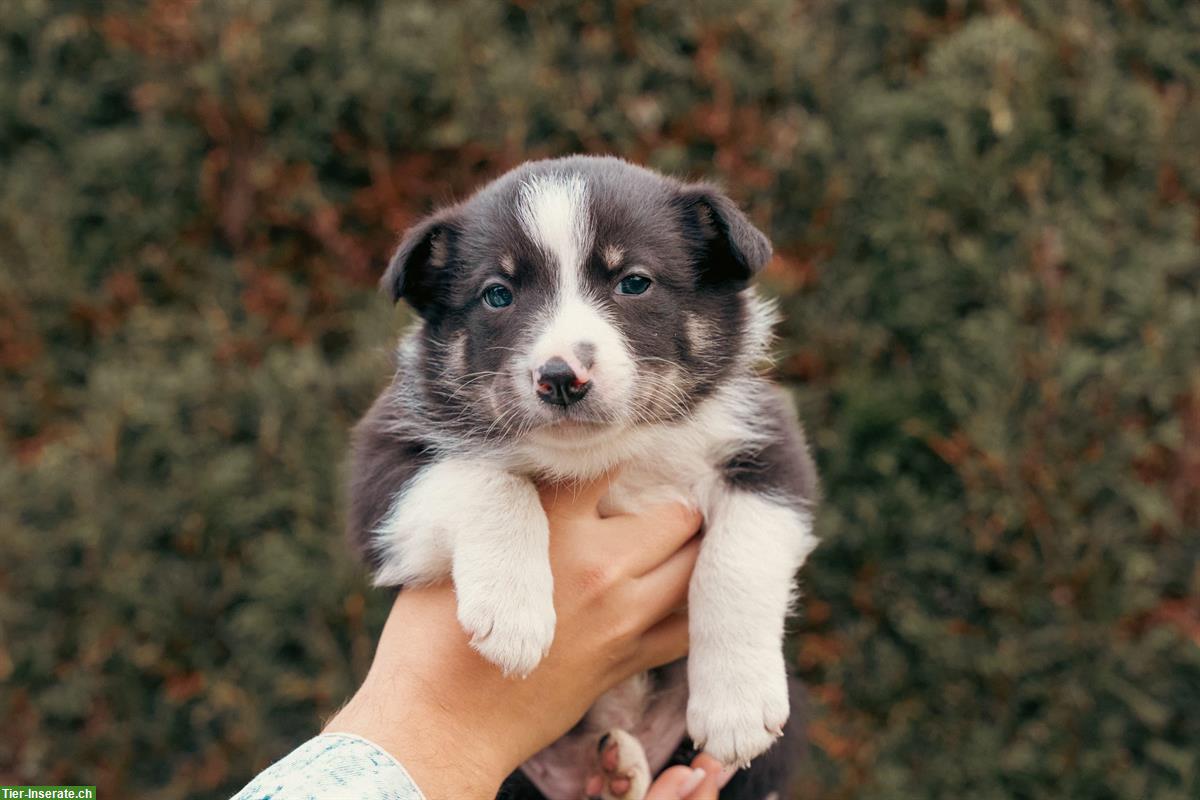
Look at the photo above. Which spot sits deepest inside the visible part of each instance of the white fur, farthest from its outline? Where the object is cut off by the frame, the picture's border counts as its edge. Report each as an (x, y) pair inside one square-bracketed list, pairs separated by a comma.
[(484, 525), (738, 599), (554, 214)]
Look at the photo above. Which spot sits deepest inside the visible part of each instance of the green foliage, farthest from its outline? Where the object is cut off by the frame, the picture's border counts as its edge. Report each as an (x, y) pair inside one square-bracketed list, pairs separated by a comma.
[(987, 220)]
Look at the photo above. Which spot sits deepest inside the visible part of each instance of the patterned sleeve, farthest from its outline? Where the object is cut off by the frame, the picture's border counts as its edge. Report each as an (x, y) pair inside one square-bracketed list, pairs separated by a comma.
[(333, 766)]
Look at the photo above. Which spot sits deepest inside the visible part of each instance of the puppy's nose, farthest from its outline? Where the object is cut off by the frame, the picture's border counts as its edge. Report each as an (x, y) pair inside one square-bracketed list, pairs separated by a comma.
[(558, 384)]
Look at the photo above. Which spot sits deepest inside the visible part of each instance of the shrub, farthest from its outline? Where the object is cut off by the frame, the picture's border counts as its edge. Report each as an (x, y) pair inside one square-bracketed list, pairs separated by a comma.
[(986, 217)]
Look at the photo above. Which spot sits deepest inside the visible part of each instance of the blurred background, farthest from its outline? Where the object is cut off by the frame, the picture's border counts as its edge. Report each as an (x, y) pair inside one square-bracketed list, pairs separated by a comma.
[(987, 220)]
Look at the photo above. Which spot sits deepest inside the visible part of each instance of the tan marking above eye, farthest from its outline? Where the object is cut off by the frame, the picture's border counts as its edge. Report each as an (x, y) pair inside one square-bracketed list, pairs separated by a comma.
[(612, 255), (507, 265)]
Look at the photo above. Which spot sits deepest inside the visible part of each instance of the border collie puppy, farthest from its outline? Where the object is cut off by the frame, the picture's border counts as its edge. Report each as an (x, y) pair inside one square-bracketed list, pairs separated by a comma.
[(579, 315)]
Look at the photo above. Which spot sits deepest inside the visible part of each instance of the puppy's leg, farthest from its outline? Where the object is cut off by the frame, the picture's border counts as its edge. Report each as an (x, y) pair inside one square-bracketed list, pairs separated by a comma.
[(737, 602), (624, 772), (502, 572), (490, 527)]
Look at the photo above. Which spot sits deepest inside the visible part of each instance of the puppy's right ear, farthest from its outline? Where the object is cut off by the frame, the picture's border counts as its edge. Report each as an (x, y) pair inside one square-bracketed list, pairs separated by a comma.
[(728, 246), (417, 272)]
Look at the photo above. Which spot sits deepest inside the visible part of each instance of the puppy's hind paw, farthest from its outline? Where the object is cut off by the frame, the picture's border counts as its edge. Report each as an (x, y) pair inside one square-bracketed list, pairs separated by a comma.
[(624, 772)]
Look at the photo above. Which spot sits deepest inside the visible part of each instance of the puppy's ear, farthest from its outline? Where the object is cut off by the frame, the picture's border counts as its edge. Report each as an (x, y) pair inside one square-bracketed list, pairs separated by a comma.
[(728, 248), (417, 272)]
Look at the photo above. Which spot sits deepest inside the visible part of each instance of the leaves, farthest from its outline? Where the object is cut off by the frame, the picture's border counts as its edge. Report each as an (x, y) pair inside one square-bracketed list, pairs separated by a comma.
[(986, 217)]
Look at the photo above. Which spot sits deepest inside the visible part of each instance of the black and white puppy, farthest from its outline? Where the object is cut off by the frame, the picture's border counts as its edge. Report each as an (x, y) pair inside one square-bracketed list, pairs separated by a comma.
[(580, 315)]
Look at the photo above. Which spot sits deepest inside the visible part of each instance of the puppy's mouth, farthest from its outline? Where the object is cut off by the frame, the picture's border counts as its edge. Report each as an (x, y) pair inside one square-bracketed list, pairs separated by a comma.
[(573, 418), (567, 425), (570, 432), (579, 420)]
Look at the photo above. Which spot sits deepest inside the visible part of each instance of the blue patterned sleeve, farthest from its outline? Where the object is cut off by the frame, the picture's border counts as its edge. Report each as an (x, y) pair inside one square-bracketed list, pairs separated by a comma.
[(333, 766)]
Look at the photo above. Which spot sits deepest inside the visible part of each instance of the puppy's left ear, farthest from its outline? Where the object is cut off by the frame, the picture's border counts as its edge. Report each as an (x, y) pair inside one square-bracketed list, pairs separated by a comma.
[(728, 248), (417, 271)]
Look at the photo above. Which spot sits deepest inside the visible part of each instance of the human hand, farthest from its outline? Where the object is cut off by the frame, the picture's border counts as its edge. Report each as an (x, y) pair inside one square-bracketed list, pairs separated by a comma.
[(455, 722), (701, 781)]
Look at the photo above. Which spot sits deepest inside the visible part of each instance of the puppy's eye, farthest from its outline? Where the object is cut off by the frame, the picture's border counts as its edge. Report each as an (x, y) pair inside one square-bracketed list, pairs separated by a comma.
[(497, 296), (633, 284)]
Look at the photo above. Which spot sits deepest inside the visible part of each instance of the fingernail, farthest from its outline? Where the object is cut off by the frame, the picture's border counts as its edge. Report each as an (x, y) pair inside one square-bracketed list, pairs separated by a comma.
[(691, 782), (726, 776)]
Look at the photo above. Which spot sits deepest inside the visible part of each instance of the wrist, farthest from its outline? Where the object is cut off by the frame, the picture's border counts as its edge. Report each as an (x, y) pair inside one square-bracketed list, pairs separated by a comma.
[(448, 758)]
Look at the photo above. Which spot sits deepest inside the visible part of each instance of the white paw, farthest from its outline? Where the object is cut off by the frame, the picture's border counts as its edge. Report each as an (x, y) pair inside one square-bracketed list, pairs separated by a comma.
[(514, 629), (735, 715), (625, 774)]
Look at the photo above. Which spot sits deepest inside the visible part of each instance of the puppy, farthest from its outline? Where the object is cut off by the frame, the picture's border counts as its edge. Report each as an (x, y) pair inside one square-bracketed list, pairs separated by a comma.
[(579, 315)]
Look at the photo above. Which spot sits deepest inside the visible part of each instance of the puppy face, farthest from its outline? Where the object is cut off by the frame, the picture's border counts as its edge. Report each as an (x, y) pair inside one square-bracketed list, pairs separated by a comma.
[(577, 294)]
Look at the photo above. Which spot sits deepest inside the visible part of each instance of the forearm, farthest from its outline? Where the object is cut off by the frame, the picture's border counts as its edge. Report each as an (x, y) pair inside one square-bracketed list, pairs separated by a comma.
[(417, 706)]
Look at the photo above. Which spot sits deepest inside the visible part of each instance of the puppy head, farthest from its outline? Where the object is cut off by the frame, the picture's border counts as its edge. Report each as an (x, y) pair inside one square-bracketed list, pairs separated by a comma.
[(578, 294)]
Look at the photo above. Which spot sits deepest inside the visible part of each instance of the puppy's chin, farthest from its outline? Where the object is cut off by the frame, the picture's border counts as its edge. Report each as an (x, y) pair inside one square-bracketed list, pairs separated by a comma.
[(571, 429)]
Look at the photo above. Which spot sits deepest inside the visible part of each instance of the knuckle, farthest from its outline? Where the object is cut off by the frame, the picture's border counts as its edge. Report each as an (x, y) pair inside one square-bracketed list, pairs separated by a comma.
[(596, 578)]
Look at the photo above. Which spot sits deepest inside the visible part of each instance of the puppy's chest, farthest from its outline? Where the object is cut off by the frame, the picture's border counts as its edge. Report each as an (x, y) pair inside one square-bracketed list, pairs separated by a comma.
[(669, 465), (670, 477)]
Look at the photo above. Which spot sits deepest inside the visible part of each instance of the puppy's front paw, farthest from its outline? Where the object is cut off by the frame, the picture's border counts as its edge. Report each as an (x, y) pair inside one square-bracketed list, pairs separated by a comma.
[(736, 714), (514, 629)]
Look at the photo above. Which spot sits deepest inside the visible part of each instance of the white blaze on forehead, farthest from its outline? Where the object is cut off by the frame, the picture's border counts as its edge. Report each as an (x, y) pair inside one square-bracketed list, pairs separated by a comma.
[(555, 215)]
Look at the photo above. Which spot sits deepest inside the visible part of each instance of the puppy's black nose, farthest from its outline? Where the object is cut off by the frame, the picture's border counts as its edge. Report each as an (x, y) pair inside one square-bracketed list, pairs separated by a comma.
[(559, 385)]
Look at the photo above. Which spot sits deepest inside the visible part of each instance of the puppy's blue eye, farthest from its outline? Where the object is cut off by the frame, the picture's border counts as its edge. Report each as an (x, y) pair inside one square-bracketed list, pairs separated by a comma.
[(633, 284), (497, 296)]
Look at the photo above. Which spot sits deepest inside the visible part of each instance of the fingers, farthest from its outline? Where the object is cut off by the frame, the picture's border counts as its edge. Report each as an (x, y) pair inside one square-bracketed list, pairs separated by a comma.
[(716, 778), (665, 642), (703, 780), (677, 783), (575, 498), (665, 588), (646, 539)]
